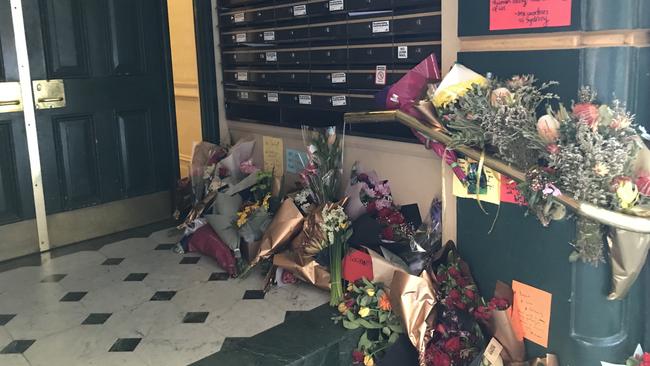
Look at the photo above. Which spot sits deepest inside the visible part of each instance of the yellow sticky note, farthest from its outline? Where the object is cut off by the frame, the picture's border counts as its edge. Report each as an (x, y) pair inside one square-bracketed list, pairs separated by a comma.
[(489, 188), (273, 155), (531, 310)]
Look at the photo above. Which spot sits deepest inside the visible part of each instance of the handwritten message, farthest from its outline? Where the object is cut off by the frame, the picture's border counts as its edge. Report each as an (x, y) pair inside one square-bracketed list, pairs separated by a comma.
[(273, 155), (522, 14), (532, 313)]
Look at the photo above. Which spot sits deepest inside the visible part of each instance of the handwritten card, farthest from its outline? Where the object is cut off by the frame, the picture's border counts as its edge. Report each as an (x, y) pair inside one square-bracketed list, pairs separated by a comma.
[(483, 184), (518, 14), (532, 313), (273, 155), (357, 265), (509, 191), (296, 160)]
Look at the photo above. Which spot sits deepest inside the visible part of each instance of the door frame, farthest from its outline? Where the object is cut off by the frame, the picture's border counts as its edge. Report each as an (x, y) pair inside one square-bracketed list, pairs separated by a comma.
[(205, 60), (169, 93)]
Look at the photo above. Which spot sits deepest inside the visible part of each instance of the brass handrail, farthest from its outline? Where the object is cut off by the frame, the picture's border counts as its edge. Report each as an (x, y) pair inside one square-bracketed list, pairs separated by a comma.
[(607, 217)]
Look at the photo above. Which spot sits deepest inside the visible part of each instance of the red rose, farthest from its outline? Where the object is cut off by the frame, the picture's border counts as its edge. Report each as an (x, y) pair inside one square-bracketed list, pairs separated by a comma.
[(469, 293), (385, 212), (454, 294), (452, 345), (460, 305), (586, 113), (357, 356), (441, 277), (482, 313), (395, 218), (454, 273), (387, 233), (350, 303), (441, 359), (462, 281), (499, 303), (371, 208), (440, 328)]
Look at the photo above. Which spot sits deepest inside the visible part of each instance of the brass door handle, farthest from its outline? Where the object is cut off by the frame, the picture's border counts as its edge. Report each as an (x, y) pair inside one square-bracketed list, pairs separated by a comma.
[(50, 100), (9, 102)]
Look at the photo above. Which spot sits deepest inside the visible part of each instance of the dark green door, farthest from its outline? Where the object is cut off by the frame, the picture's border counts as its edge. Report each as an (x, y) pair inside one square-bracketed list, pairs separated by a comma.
[(114, 138), (16, 201)]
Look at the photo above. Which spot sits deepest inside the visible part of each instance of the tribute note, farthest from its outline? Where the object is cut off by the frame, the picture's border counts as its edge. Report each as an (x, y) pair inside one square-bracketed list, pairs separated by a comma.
[(531, 311), (523, 14), (273, 155)]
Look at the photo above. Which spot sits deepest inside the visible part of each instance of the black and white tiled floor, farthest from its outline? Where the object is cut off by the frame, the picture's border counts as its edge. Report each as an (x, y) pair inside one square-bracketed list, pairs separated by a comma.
[(134, 302)]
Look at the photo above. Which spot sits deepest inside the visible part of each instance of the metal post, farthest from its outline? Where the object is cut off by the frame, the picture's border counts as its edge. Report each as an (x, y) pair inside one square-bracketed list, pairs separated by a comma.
[(30, 123)]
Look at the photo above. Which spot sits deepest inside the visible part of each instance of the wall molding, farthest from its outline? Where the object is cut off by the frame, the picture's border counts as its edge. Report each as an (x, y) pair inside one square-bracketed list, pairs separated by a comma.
[(558, 40), (186, 90)]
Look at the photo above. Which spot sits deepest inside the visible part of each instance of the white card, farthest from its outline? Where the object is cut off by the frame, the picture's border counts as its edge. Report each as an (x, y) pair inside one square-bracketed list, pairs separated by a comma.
[(403, 52), (339, 100), (241, 76), (381, 26), (239, 17), (243, 95), (271, 56), (240, 37), (272, 97), (380, 75), (338, 78), (304, 99), (299, 10), (335, 5), (269, 36), (492, 351)]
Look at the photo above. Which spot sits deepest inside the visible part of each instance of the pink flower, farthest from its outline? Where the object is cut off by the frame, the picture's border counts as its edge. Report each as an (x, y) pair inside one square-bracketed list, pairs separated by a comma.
[(383, 189), (288, 277), (357, 357), (382, 203), (553, 149), (247, 167), (548, 128), (452, 345), (587, 113), (643, 184)]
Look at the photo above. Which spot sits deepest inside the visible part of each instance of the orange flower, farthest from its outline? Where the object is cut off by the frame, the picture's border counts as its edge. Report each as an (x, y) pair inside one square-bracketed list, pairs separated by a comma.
[(384, 302)]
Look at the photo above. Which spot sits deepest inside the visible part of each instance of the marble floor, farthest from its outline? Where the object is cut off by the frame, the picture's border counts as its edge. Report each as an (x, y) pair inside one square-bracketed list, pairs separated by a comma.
[(134, 302)]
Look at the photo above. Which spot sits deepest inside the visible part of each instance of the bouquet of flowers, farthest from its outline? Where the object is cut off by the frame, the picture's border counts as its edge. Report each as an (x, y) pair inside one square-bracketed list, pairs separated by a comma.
[(336, 231), (366, 305), (457, 338), (322, 173), (370, 195)]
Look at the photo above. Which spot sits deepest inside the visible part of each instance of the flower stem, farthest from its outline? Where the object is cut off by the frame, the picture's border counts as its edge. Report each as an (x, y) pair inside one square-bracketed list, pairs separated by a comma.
[(336, 282)]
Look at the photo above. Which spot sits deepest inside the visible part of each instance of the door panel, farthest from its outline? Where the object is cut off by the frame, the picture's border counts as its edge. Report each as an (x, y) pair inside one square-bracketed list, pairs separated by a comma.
[(136, 155), (64, 34), (77, 158), (9, 203), (126, 36)]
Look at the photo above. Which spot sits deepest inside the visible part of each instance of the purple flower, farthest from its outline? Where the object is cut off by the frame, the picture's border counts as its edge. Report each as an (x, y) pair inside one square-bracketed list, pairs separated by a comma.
[(382, 203), (383, 189)]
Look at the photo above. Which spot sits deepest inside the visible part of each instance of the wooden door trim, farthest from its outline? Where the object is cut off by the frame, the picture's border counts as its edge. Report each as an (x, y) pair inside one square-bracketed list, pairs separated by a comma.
[(205, 60)]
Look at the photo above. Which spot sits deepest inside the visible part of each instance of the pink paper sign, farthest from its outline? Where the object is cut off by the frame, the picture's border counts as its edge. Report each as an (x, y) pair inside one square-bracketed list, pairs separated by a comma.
[(522, 14)]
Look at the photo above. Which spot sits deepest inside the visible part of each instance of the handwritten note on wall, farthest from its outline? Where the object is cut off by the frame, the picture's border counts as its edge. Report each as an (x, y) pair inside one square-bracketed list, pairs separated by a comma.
[(532, 309), (273, 155), (522, 14)]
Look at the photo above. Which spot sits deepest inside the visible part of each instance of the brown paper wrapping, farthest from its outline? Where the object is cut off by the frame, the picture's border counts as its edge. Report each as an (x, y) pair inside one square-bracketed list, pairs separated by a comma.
[(311, 272), (500, 326), (198, 209), (285, 225), (382, 270), (308, 242), (628, 252), (413, 299)]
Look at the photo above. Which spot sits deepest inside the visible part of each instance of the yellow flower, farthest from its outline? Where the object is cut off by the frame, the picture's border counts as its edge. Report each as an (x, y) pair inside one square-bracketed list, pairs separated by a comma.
[(370, 292), (627, 193), (368, 361), (364, 312), (453, 92), (343, 308), (350, 287), (343, 225)]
